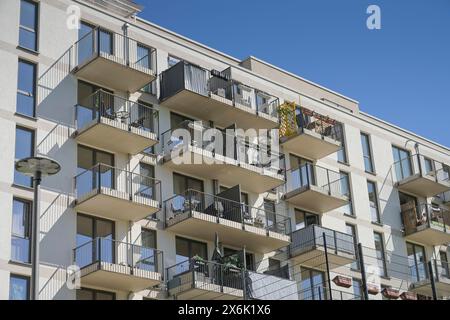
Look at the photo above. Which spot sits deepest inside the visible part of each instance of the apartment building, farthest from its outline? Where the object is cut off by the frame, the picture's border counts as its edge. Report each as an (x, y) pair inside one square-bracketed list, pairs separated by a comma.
[(348, 207)]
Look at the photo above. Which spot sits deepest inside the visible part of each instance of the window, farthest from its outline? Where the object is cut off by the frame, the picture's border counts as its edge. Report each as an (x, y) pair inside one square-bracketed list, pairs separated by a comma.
[(269, 207), (249, 257), (86, 46), (177, 119), (88, 109), (357, 289), (367, 153), (28, 28), (416, 262), (148, 238), (88, 230), (444, 267), (345, 190), (147, 254), (19, 287), (380, 254), (171, 61), (186, 249), (21, 231), (351, 230), (304, 219), (402, 163), (302, 172), (146, 182), (144, 57), (91, 294), (429, 165), (24, 148), (26, 89), (373, 201), (312, 285), (181, 183), (106, 42), (342, 152)]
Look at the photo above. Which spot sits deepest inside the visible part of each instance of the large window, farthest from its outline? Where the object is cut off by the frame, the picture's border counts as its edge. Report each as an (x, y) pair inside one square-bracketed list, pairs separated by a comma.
[(21, 231), (351, 230), (380, 254), (304, 219), (88, 230), (302, 172), (357, 289), (146, 182), (367, 153), (313, 284), (402, 163), (249, 257), (24, 148), (26, 89), (181, 183), (88, 175), (373, 201), (186, 249), (416, 262), (19, 287), (28, 28), (342, 152), (171, 60), (345, 190), (91, 294)]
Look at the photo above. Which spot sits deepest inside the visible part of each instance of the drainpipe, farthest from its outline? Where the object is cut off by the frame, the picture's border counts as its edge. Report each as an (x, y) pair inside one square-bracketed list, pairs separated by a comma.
[(126, 46)]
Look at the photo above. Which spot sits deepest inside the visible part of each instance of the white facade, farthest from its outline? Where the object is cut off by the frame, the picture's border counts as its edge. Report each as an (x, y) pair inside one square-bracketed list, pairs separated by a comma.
[(55, 137)]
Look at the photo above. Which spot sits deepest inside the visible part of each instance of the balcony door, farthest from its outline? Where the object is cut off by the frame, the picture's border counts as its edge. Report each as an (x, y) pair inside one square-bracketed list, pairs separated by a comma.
[(89, 248), (181, 184), (302, 172), (416, 262), (313, 284), (305, 219), (90, 176), (402, 163), (91, 105), (186, 249), (86, 43)]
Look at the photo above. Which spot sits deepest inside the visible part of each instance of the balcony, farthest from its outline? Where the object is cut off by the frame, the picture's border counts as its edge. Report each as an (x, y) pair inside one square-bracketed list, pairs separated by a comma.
[(112, 60), (315, 189), (308, 247), (110, 122), (421, 176), (212, 95), (201, 215), (117, 265), (116, 194), (311, 135), (427, 224), (421, 283), (198, 279), (195, 149)]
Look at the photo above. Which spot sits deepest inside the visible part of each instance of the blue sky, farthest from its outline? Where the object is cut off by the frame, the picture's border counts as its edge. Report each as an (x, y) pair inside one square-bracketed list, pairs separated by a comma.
[(400, 73)]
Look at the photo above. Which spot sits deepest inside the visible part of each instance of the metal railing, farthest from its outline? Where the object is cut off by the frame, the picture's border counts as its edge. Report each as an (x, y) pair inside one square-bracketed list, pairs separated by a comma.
[(194, 78), (181, 207), (102, 104), (205, 275), (415, 218), (190, 133), (422, 166), (308, 120), (107, 250), (312, 236), (307, 175), (102, 176)]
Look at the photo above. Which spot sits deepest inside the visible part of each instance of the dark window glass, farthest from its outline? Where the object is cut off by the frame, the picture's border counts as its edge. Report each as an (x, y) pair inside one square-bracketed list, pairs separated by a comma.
[(88, 230), (28, 29), (402, 163), (249, 257), (351, 230), (91, 294), (26, 88), (373, 201), (146, 182), (171, 61), (106, 42), (186, 249), (357, 289), (24, 148), (342, 153), (345, 190), (85, 44), (313, 286), (416, 262), (367, 153), (380, 253), (19, 287), (304, 219), (21, 231)]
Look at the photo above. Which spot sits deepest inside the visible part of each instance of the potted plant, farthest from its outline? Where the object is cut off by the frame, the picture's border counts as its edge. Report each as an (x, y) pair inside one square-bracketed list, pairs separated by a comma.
[(342, 281), (373, 289), (391, 293)]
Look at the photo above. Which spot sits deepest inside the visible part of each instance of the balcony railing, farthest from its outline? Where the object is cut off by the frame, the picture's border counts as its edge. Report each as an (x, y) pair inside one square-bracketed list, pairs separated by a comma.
[(417, 218), (105, 250), (126, 184), (220, 143), (326, 180), (308, 120), (195, 201), (313, 236), (423, 166), (130, 114), (420, 272), (206, 275), (204, 82)]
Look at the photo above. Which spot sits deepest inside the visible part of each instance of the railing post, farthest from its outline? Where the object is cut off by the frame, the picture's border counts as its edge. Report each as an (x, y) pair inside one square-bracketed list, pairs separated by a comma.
[(335, 242), (131, 184), (132, 260), (244, 272), (327, 265), (360, 259), (99, 240), (432, 280), (99, 168), (328, 180)]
